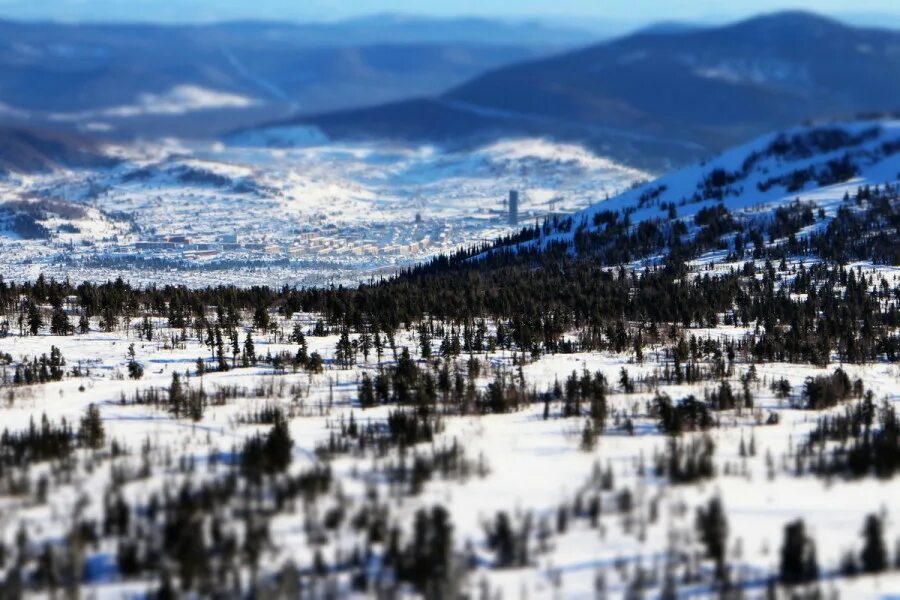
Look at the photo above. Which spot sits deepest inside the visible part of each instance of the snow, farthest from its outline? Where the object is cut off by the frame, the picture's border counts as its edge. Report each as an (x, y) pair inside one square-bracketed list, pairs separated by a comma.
[(758, 71), (178, 100), (534, 465)]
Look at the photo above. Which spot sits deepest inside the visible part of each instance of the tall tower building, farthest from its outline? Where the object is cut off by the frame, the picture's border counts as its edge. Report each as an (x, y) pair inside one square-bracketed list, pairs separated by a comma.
[(513, 207)]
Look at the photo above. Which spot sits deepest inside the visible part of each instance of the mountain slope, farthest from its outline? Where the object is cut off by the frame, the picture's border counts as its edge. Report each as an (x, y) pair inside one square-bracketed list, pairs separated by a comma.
[(779, 190), (28, 150), (658, 95)]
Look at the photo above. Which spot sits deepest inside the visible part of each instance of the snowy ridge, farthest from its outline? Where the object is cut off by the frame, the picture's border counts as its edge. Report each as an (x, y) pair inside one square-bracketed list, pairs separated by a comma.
[(813, 163)]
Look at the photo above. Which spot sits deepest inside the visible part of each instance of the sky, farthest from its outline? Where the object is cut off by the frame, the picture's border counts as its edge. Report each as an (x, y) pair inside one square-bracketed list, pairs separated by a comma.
[(622, 11)]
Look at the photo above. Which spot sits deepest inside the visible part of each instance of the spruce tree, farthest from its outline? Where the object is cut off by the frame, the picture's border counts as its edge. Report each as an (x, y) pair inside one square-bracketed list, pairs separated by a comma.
[(59, 322), (366, 392), (712, 526), (798, 555), (91, 432), (35, 320), (176, 396), (249, 351), (135, 369), (315, 363), (873, 557)]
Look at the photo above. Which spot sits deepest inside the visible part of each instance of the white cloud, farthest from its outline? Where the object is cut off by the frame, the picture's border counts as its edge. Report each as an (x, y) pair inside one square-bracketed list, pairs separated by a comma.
[(179, 100)]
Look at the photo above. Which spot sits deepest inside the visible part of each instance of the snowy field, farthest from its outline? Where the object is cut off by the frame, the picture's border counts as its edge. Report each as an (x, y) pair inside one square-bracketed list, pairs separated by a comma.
[(531, 464)]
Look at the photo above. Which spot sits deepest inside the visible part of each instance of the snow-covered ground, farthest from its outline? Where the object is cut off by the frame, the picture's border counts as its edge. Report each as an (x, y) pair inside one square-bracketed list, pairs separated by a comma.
[(534, 465)]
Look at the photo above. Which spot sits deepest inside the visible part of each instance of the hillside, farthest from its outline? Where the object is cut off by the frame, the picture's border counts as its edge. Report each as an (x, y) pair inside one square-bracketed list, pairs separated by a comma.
[(661, 96), (28, 150), (815, 165), (790, 192)]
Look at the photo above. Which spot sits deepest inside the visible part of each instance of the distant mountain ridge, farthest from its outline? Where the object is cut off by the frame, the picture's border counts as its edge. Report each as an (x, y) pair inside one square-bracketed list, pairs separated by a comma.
[(144, 79), (657, 97)]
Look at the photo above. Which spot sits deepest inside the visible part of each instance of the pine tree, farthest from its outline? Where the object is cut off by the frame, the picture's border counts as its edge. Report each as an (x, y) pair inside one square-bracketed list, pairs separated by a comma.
[(639, 348), (598, 401), (365, 344), (84, 324), (301, 358), (147, 329), (379, 345), (56, 364), (35, 320), (425, 341), (873, 557), (798, 555), (713, 529), (626, 382), (297, 336), (366, 392), (270, 454), (59, 322), (249, 351), (91, 432), (176, 396), (195, 402), (588, 437), (344, 354), (235, 348), (135, 369), (261, 318), (501, 539), (315, 364)]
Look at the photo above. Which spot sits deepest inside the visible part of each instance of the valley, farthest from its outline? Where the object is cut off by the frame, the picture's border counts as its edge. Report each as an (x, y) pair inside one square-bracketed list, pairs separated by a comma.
[(302, 216)]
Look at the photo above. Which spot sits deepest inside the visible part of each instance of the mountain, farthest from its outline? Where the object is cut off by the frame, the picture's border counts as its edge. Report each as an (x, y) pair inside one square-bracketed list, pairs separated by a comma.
[(29, 150), (144, 79), (658, 96), (791, 184)]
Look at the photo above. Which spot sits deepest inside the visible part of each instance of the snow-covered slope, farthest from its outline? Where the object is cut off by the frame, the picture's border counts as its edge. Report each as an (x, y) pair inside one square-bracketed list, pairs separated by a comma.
[(818, 164)]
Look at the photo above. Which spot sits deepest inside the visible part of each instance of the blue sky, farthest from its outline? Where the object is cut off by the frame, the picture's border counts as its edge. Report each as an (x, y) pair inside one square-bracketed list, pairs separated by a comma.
[(630, 11)]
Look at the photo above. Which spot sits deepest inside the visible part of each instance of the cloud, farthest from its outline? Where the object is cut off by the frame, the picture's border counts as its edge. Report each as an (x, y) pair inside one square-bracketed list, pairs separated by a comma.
[(179, 100)]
